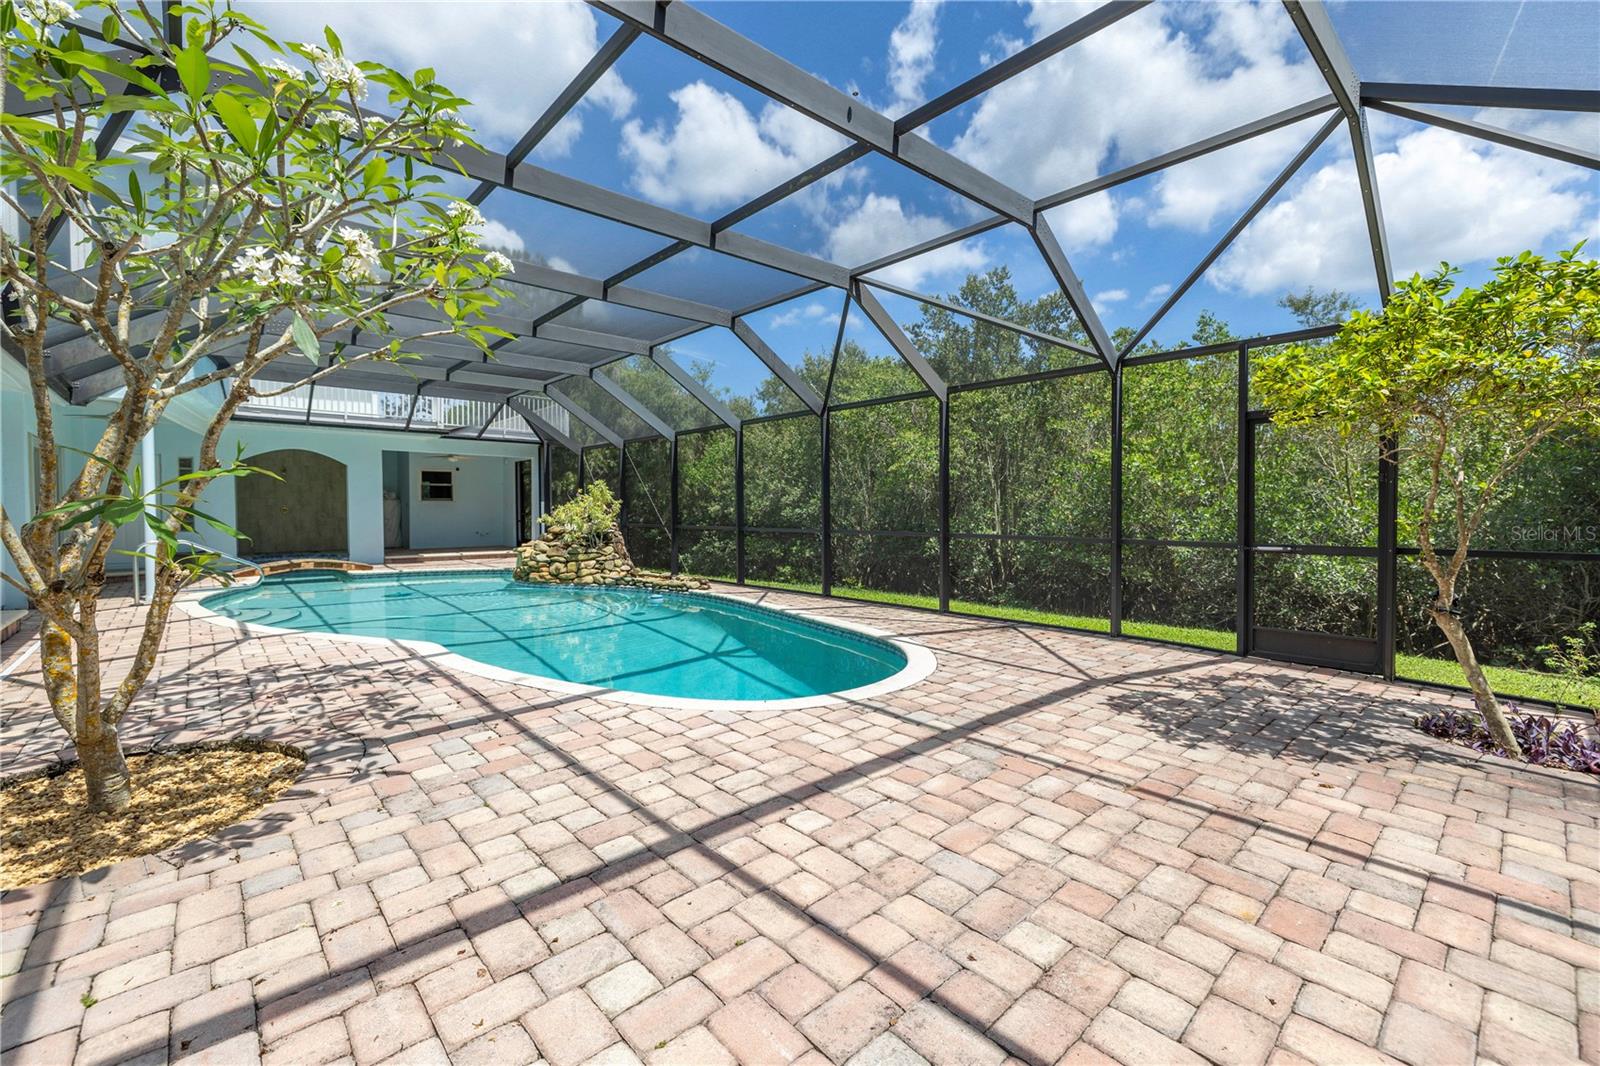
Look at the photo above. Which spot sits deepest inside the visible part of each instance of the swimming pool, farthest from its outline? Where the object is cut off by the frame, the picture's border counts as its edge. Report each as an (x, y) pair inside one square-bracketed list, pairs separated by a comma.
[(681, 646)]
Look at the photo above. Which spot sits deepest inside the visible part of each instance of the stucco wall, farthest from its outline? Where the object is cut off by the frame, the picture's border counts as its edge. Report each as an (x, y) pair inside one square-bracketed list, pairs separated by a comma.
[(483, 513)]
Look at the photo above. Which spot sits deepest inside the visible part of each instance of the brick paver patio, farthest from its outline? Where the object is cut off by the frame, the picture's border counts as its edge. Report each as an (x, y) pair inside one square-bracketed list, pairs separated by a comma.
[(1058, 848)]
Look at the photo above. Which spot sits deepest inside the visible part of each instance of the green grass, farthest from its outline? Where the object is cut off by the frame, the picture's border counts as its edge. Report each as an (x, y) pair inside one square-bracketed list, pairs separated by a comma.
[(1028, 614), (1508, 681), (1215, 639)]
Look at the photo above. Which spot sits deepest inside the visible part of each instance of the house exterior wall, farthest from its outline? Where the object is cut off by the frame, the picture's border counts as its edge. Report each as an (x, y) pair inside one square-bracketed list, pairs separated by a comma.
[(483, 513)]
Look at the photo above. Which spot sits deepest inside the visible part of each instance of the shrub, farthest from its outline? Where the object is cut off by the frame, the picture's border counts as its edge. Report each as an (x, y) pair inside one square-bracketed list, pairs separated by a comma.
[(1543, 741), (585, 520)]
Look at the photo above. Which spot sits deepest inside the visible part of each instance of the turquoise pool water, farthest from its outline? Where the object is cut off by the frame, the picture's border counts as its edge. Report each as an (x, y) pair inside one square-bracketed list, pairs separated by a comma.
[(673, 644)]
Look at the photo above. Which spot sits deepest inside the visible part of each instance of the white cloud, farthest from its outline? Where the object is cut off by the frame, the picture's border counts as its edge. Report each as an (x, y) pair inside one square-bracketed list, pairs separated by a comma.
[(500, 237), (715, 153), (1110, 296), (1444, 197), (873, 224), (912, 46), (795, 316), (1154, 81), (510, 59), (1156, 292), (1084, 223)]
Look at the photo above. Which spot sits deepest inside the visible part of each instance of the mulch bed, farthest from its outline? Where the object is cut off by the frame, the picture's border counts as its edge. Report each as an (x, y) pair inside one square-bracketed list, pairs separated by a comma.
[(47, 831)]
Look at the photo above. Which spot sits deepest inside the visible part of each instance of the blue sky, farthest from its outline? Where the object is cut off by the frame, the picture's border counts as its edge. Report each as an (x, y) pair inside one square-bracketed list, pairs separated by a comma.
[(665, 129)]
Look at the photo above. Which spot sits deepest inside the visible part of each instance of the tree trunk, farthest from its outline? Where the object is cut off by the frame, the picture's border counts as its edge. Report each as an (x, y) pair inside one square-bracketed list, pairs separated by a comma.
[(72, 684), (1494, 718), (105, 771)]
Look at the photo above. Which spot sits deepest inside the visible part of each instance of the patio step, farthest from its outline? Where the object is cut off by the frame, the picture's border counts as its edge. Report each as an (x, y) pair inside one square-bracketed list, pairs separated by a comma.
[(10, 622), (447, 555)]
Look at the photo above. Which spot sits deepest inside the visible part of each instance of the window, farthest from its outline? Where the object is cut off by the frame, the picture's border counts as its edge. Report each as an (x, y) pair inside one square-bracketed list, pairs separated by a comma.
[(438, 484), (185, 465)]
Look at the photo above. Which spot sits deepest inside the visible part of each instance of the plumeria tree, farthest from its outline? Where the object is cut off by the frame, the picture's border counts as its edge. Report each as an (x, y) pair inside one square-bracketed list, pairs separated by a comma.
[(1461, 386), (235, 201)]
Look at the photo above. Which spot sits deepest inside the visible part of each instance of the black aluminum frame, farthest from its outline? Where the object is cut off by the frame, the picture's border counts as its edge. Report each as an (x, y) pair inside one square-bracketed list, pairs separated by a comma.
[(1291, 646), (81, 373)]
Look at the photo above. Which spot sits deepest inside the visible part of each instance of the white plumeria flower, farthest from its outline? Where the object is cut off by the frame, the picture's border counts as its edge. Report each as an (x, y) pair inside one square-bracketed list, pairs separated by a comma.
[(467, 219), (47, 12), (466, 214), (284, 71), (346, 123), (360, 255), (254, 261), (339, 72), (265, 269), (497, 263), (286, 269)]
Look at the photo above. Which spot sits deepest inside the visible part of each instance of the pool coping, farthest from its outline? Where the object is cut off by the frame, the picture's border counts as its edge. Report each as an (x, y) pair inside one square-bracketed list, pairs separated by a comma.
[(920, 660)]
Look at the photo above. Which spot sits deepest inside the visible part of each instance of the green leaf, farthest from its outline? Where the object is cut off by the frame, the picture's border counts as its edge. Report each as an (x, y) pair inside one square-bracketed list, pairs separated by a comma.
[(106, 65), (122, 102), (236, 117), (305, 338), (194, 70), (111, 27)]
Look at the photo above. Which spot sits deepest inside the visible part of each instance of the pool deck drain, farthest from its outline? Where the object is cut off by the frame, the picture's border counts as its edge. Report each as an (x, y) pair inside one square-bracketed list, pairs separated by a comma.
[(1055, 848)]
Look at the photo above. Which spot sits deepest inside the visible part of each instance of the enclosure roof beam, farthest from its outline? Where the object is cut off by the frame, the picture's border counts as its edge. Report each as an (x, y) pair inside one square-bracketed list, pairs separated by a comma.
[(1483, 131), (698, 35), (490, 420), (676, 306), (896, 336), (590, 338), (606, 433), (932, 244), (1006, 68), (780, 369), (539, 362), (1226, 139), (1516, 99), (1237, 228), (1019, 61), (1071, 285), (1311, 19), (778, 192), (564, 191), (967, 312), (546, 430), (512, 381), (602, 61), (628, 400), (695, 388), (591, 199), (780, 298)]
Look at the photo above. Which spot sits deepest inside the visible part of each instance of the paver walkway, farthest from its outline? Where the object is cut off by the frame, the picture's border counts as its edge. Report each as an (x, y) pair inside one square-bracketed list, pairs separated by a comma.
[(1058, 848)]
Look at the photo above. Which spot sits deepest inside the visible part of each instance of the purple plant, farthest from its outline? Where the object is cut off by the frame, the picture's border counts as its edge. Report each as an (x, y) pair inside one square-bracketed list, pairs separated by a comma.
[(1543, 741)]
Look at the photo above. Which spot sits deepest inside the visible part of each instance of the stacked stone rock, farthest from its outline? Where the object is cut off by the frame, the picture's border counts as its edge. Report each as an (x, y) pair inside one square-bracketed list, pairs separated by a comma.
[(548, 561)]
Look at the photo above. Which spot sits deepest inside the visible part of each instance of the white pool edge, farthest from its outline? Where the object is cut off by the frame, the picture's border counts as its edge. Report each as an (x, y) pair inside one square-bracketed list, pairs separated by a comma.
[(920, 661)]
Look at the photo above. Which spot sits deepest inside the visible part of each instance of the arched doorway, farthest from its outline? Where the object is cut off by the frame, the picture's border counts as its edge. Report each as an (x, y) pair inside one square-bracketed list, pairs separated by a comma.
[(305, 512)]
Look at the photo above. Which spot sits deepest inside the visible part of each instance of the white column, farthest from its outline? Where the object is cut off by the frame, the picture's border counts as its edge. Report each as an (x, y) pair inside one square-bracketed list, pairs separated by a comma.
[(364, 500)]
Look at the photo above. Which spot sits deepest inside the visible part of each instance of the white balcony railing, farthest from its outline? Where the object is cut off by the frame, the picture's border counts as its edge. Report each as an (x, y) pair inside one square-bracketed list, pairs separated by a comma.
[(440, 414)]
